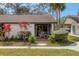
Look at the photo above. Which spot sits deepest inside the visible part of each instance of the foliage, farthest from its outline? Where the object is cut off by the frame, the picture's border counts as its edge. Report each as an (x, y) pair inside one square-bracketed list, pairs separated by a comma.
[(57, 7), (2, 11), (25, 8), (51, 38), (59, 36), (7, 43), (1, 31), (18, 8), (73, 38), (14, 38), (31, 39)]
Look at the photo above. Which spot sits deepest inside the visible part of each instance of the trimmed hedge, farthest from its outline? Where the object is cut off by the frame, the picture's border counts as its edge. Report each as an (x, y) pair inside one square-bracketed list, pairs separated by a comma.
[(59, 36), (73, 38)]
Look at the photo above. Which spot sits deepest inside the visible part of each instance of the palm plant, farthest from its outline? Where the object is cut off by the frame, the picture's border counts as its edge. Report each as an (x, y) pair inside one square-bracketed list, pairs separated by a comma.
[(57, 7)]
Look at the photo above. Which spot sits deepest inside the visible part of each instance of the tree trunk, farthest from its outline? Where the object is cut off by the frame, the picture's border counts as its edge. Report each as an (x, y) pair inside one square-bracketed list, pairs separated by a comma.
[(58, 18)]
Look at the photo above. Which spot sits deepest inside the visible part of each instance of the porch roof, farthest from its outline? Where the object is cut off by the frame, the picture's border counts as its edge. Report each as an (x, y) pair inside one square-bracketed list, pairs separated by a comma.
[(27, 18)]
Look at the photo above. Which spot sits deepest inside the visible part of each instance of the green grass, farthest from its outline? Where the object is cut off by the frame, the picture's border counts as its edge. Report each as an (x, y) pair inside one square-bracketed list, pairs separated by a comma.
[(38, 52), (12, 43)]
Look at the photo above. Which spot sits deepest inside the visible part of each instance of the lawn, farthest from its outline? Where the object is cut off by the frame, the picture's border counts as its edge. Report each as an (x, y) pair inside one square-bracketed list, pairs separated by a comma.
[(37, 52), (12, 43)]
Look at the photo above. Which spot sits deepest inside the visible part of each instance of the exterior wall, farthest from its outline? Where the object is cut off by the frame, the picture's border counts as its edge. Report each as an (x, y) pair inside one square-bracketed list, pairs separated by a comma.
[(15, 28), (75, 30), (31, 28)]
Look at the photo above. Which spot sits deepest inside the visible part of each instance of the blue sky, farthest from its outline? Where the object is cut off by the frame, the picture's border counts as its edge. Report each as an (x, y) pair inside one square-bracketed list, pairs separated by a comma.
[(71, 9)]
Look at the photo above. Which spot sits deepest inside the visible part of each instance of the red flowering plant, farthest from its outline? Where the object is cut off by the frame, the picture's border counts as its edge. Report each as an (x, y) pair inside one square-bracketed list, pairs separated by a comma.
[(6, 29), (24, 26)]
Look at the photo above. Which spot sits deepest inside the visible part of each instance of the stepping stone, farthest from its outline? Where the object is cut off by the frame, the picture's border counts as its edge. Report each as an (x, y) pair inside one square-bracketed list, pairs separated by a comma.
[(41, 44)]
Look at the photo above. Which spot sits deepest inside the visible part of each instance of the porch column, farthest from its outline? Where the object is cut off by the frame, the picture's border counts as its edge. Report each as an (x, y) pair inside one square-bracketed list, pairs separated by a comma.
[(71, 30), (52, 28), (32, 29)]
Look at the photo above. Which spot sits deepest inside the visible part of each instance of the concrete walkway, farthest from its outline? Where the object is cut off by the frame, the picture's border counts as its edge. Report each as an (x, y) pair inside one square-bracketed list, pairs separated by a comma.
[(72, 47)]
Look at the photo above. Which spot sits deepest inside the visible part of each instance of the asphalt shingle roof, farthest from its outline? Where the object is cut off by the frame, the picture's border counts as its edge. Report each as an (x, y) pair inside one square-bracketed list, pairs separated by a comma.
[(27, 18), (75, 18)]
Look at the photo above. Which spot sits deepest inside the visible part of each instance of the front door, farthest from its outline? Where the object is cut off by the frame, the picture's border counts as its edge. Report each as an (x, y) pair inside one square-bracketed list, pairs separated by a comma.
[(42, 30)]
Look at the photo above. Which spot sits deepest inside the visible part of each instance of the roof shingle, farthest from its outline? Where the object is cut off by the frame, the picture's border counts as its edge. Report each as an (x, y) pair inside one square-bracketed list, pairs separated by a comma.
[(75, 18), (27, 18)]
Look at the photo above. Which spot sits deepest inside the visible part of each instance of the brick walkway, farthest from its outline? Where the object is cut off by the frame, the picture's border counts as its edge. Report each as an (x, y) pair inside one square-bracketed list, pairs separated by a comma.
[(42, 40)]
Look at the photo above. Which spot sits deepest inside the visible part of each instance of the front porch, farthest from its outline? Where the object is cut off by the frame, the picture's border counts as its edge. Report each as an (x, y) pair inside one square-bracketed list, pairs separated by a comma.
[(42, 30)]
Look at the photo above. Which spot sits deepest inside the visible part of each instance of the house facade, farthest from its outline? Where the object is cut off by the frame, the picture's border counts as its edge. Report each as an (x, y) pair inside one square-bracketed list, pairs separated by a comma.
[(37, 23), (72, 22)]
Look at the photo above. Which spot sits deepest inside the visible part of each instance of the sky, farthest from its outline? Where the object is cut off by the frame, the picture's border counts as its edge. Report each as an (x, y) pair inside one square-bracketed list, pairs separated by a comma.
[(71, 9)]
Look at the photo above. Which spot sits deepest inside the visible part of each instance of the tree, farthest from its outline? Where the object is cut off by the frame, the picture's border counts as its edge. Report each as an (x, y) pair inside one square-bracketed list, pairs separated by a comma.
[(2, 12), (78, 12), (18, 8), (57, 7), (41, 8), (2, 9)]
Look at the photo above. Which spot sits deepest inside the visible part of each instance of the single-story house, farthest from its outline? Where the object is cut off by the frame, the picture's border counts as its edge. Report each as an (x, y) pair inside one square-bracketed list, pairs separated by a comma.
[(38, 23), (72, 22)]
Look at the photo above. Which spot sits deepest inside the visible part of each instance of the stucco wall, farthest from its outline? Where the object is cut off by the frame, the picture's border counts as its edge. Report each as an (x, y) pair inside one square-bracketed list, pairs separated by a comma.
[(15, 28), (31, 28), (75, 30)]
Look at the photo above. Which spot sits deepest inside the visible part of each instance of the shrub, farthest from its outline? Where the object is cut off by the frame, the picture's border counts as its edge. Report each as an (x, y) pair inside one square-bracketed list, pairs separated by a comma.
[(73, 38), (16, 38), (31, 39), (24, 35), (51, 38), (59, 36)]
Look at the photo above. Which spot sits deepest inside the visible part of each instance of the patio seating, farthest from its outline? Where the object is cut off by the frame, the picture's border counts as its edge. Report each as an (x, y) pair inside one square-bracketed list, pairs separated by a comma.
[(43, 35)]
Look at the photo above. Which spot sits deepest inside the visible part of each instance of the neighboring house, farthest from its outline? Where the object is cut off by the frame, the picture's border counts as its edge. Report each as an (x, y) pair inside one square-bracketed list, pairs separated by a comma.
[(38, 23), (72, 22)]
